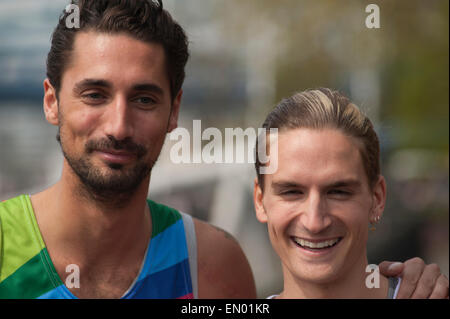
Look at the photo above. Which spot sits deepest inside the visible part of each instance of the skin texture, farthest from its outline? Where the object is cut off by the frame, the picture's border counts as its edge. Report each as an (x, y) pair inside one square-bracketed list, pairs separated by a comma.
[(116, 90), (324, 195), (419, 281), (319, 192), (223, 269)]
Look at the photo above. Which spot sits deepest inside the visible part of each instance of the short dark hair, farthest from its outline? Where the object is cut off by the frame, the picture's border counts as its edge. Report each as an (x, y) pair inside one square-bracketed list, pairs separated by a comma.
[(325, 108), (144, 20)]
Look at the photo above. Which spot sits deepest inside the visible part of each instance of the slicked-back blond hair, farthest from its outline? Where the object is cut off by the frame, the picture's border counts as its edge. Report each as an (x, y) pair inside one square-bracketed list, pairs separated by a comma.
[(324, 108)]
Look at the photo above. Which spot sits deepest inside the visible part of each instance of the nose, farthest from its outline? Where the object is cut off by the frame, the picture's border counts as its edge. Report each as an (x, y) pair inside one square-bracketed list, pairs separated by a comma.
[(118, 119), (314, 216)]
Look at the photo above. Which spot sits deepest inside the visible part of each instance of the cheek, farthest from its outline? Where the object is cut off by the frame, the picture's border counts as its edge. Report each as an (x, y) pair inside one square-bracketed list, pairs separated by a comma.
[(356, 221), (152, 134), (360, 237), (354, 212), (153, 122), (79, 123), (360, 228), (280, 219), (278, 225)]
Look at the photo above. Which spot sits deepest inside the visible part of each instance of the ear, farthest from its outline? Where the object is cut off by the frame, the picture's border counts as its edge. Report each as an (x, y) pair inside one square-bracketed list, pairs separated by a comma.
[(379, 199), (258, 201), (50, 103), (173, 120)]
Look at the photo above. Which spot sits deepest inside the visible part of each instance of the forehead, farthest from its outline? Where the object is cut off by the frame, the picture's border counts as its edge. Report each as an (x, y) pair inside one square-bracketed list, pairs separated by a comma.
[(311, 156), (117, 57)]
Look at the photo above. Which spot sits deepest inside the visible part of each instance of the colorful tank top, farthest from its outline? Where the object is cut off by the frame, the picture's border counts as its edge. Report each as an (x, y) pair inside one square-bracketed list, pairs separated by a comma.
[(26, 270)]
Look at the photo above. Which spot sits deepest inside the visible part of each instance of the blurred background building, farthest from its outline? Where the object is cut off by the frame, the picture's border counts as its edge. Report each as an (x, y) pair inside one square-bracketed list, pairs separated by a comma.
[(246, 56)]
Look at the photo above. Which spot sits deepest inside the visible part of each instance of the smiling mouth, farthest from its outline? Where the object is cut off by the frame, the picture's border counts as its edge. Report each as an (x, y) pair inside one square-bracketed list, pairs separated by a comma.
[(316, 245)]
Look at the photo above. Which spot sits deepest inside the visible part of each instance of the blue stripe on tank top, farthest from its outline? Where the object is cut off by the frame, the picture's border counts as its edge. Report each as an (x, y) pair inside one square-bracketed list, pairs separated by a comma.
[(172, 282), (57, 293), (166, 249)]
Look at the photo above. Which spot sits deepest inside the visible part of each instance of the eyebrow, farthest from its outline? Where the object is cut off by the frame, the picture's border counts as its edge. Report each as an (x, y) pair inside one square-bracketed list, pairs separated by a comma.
[(150, 87), (91, 82), (345, 183), (340, 183), (108, 85), (283, 185)]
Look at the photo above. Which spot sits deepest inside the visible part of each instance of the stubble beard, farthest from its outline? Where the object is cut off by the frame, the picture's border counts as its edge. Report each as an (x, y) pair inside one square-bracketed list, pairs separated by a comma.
[(114, 184)]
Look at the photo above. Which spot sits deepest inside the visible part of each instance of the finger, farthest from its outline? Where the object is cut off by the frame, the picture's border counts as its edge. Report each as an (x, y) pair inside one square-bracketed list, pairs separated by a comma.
[(426, 282), (440, 289), (411, 274), (390, 268)]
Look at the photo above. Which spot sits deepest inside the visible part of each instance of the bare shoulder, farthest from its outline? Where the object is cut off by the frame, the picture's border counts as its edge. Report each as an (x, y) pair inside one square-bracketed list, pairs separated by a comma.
[(223, 268)]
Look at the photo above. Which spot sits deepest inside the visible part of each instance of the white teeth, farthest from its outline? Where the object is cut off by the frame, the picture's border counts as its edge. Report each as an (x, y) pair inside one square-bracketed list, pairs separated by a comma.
[(309, 244)]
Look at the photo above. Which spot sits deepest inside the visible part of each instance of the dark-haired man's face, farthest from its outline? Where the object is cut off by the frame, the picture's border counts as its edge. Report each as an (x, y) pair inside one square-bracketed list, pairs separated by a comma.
[(114, 111)]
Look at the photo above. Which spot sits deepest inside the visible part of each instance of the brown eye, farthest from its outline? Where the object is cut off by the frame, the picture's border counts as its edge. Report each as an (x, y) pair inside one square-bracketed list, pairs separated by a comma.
[(293, 192), (339, 193), (93, 98), (145, 100)]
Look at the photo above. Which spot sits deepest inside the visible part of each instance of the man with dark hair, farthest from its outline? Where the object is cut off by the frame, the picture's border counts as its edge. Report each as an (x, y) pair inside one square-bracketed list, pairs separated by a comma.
[(114, 88), (114, 91)]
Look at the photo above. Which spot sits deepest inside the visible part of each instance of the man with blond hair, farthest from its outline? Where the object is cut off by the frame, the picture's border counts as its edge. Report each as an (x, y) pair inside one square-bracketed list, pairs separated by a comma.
[(319, 204)]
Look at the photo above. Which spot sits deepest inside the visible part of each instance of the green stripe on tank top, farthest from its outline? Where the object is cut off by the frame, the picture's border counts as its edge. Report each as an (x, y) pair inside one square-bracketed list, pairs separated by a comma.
[(162, 217), (20, 233), (31, 280), (37, 269)]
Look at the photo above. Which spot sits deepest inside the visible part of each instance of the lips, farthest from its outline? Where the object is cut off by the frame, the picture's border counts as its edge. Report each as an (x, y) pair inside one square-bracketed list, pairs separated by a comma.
[(316, 245), (116, 156)]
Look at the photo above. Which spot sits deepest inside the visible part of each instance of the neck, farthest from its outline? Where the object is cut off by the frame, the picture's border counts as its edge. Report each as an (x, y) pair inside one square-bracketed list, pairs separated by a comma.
[(82, 230), (351, 285)]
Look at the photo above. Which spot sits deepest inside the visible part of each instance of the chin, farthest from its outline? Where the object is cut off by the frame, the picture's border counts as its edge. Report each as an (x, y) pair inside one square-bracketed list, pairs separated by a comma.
[(317, 273)]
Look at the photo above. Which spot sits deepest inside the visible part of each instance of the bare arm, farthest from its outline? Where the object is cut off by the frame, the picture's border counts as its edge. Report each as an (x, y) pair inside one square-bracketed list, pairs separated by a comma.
[(223, 269)]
